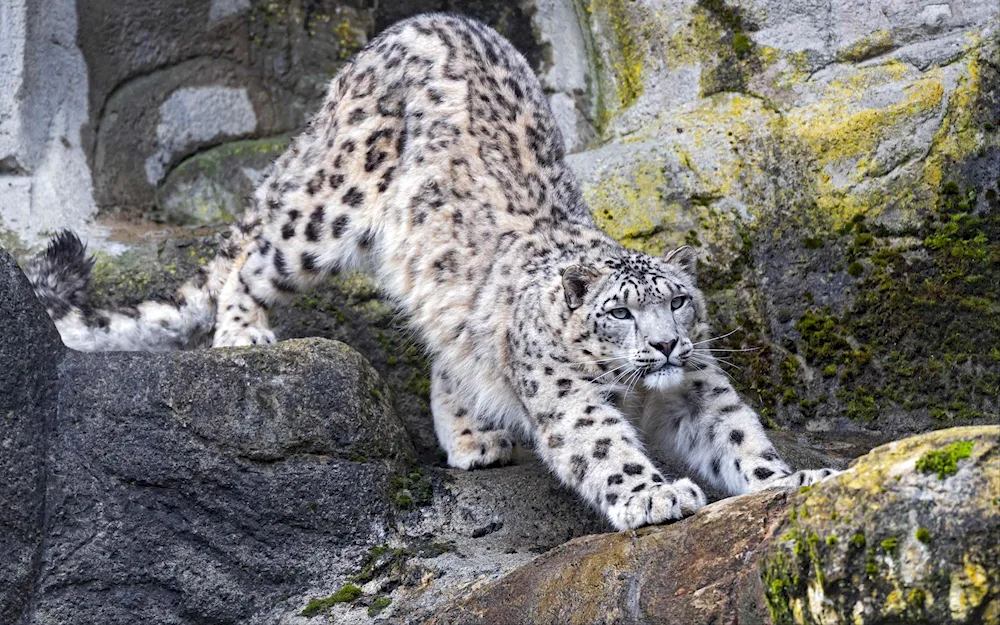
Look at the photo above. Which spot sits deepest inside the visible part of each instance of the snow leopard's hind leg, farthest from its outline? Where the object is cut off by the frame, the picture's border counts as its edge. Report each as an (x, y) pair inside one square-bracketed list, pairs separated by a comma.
[(467, 443), (318, 212)]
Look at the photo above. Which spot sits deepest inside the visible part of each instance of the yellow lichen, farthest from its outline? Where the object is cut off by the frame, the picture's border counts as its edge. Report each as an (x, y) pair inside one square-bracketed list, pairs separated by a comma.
[(865, 48), (968, 589), (958, 136)]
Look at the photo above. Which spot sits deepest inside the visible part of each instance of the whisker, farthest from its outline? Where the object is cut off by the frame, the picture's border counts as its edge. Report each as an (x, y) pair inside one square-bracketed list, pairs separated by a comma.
[(719, 349), (716, 338)]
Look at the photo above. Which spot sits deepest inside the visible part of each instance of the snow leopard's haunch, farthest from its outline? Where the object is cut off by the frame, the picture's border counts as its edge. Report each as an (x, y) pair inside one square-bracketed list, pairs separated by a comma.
[(435, 164)]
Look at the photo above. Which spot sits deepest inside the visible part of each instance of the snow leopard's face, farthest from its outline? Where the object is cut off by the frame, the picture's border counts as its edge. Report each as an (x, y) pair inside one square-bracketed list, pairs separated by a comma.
[(637, 317)]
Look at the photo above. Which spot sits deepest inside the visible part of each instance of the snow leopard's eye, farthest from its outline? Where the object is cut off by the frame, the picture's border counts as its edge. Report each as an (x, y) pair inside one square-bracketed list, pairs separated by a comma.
[(620, 313), (678, 302)]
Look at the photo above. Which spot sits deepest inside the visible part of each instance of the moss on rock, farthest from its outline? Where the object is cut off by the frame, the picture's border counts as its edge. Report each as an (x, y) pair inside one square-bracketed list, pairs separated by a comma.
[(883, 566)]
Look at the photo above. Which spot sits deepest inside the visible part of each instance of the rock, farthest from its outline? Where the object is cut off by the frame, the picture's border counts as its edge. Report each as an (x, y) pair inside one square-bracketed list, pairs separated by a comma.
[(910, 534), (835, 186), (212, 186), (708, 568), (693, 572), (30, 350)]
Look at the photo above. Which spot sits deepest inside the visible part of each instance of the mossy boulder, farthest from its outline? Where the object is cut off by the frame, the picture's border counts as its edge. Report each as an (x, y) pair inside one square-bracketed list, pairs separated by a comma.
[(909, 534), (888, 541)]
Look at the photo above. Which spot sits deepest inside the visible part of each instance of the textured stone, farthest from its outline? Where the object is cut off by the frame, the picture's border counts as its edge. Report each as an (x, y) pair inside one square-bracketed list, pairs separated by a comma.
[(29, 352), (708, 568), (208, 485), (909, 534)]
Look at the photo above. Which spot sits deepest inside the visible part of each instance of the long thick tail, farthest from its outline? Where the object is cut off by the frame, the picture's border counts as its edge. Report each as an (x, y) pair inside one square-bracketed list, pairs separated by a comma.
[(61, 277)]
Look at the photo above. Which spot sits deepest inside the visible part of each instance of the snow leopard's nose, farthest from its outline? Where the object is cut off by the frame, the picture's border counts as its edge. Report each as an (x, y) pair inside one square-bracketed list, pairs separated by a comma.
[(664, 347)]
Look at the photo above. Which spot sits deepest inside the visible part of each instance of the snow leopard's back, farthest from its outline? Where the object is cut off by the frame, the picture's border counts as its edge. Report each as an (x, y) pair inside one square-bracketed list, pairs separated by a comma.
[(434, 152)]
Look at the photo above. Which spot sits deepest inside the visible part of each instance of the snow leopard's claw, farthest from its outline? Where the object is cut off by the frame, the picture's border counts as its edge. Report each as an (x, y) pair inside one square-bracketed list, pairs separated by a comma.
[(805, 477), (657, 504)]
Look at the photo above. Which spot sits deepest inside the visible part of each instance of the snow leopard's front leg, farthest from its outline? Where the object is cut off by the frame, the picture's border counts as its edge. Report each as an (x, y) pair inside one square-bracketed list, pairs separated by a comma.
[(466, 442), (721, 437), (594, 448)]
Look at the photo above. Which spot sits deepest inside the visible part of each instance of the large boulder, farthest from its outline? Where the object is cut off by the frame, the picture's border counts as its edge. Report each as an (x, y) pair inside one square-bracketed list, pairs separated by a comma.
[(30, 351), (908, 534), (211, 485)]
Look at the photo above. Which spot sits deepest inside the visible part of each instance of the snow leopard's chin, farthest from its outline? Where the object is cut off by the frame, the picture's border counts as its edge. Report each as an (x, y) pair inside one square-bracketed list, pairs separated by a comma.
[(665, 379)]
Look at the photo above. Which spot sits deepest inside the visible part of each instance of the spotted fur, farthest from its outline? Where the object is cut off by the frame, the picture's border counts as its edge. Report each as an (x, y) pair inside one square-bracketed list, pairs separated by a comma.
[(435, 164), (61, 277)]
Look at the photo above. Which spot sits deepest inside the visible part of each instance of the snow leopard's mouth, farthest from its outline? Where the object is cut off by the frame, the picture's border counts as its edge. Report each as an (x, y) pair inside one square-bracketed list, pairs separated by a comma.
[(663, 377)]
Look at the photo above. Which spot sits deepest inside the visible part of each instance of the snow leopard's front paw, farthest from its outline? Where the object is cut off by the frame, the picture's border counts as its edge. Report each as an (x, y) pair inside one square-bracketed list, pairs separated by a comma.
[(242, 337), (481, 449), (655, 504), (802, 478)]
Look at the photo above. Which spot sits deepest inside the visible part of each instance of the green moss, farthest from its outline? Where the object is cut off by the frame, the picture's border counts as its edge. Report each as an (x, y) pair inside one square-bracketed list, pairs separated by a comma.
[(346, 594), (411, 490), (812, 243), (855, 269), (890, 544), (923, 535), (831, 540), (378, 604), (858, 541), (741, 45), (944, 462)]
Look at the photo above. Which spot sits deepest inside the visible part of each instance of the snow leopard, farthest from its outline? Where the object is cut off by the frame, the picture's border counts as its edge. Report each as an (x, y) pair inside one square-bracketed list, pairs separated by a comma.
[(436, 166)]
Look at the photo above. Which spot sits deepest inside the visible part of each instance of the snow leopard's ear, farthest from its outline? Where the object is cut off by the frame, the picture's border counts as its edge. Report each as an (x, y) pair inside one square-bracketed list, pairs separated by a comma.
[(576, 280), (684, 258)]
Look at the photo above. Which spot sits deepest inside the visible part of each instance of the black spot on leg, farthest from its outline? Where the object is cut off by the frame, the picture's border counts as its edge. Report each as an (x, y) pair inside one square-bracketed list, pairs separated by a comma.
[(611, 421), (716, 467), (633, 469), (354, 197), (736, 437), (639, 488), (611, 498), (762, 473), (556, 441), (288, 231), (601, 448), (280, 264), (579, 467), (465, 432), (336, 180), (770, 455), (583, 423), (308, 261), (657, 478), (315, 224), (615, 479), (802, 478), (340, 225), (729, 409)]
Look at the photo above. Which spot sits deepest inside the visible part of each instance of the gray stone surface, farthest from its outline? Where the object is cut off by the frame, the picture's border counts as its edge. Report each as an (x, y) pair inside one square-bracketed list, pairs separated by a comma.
[(30, 350), (207, 486), (800, 550), (43, 118)]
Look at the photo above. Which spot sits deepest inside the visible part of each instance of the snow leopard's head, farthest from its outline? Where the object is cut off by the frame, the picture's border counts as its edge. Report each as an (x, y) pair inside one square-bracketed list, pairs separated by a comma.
[(635, 317)]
